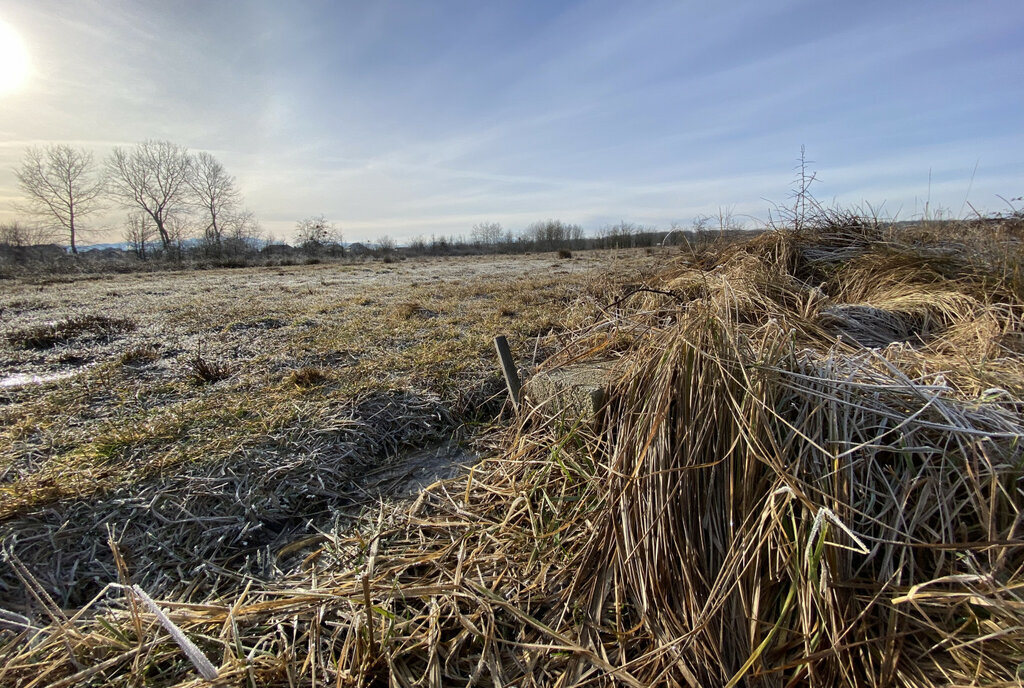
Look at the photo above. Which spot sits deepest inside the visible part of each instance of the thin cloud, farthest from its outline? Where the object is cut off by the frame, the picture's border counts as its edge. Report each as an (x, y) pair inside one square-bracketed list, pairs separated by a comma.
[(411, 118)]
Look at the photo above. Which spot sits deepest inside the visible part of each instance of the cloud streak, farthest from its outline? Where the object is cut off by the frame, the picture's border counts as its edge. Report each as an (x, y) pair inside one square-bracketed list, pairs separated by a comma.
[(410, 118)]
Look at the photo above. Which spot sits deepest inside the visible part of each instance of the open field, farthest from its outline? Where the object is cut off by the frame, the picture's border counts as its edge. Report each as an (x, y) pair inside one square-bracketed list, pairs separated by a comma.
[(298, 377), (807, 471)]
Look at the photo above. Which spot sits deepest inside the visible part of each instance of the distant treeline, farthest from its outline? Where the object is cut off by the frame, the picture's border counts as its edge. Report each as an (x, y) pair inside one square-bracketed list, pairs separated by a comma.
[(183, 209), (554, 235), (19, 255), (547, 235)]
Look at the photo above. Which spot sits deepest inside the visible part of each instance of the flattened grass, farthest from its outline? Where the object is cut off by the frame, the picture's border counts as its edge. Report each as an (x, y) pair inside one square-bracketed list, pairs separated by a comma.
[(49, 335)]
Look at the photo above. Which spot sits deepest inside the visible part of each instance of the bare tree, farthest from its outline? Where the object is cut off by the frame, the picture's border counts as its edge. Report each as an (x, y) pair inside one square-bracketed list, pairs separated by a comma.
[(316, 232), (242, 232), (243, 225), (551, 234), (418, 245), (152, 177), (20, 235), (215, 194), (138, 232), (386, 245), (62, 186), (486, 233), (179, 228)]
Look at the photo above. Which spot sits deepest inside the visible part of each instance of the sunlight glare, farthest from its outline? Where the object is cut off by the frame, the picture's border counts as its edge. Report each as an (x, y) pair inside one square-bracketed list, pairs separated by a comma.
[(13, 59)]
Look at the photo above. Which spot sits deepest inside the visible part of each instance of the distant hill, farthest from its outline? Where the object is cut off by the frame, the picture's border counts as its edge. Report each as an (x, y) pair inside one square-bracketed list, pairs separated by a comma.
[(123, 246)]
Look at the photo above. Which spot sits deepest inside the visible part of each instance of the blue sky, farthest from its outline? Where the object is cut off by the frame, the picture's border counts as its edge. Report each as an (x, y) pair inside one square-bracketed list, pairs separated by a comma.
[(415, 118)]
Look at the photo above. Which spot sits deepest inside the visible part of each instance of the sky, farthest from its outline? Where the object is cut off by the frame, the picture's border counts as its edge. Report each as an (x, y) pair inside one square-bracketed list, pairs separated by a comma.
[(411, 119)]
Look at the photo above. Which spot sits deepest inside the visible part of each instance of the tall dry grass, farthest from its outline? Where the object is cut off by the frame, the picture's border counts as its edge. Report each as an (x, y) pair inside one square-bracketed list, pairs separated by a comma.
[(767, 500)]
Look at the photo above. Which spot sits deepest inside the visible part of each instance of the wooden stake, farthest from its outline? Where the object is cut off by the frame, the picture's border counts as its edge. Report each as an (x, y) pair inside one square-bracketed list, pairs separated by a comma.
[(508, 367), (369, 615)]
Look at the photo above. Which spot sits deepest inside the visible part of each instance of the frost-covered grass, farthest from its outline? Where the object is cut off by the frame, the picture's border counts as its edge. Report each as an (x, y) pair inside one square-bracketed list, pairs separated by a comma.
[(172, 374)]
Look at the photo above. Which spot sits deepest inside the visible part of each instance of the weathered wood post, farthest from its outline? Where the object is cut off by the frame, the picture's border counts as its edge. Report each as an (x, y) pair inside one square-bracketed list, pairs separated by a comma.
[(508, 367), (369, 615)]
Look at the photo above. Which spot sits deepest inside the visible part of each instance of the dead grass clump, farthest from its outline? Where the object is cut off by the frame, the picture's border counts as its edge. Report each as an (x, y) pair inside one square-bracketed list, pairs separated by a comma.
[(411, 309), (830, 525), (49, 335), (407, 310), (204, 370), (870, 326), (139, 355), (307, 376)]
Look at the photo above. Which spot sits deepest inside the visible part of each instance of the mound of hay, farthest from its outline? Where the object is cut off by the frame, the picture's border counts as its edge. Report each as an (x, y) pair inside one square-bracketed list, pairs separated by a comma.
[(761, 505)]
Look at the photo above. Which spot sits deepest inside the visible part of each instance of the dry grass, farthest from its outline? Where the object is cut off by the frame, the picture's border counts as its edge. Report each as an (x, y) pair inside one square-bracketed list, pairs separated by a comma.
[(206, 370), (411, 309), (766, 501), (141, 355), (49, 335), (307, 376), (321, 375)]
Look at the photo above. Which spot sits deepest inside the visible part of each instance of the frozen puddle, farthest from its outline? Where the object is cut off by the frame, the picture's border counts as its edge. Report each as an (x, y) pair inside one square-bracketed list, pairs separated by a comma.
[(25, 379)]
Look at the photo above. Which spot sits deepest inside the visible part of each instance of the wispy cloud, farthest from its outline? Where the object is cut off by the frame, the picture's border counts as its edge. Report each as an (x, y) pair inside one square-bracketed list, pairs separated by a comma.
[(410, 118)]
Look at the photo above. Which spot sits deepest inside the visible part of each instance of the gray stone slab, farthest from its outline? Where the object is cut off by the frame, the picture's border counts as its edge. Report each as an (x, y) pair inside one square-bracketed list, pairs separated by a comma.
[(575, 391)]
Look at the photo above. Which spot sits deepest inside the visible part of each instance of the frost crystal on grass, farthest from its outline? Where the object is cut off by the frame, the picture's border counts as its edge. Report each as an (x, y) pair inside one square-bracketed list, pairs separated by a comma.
[(194, 654)]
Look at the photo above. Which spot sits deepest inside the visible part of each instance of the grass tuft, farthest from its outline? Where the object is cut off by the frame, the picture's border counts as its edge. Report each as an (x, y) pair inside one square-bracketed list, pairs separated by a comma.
[(204, 370), (412, 309), (307, 376), (140, 355)]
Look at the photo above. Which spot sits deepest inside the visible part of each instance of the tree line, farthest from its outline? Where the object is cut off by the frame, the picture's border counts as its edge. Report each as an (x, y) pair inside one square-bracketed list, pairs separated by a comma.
[(163, 186), (172, 194), (554, 235)]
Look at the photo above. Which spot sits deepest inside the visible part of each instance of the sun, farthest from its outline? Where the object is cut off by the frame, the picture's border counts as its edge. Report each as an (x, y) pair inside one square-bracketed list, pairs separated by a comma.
[(13, 59)]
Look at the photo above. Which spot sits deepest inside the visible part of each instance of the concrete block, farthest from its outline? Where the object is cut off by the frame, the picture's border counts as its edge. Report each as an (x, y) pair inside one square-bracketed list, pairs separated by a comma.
[(574, 391)]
